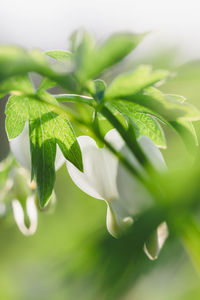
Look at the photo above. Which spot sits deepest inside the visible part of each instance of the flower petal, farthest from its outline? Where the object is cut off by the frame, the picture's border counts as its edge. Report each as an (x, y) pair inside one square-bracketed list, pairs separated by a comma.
[(152, 152), (156, 241), (117, 220), (20, 147), (19, 215), (100, 168), (104, 178)]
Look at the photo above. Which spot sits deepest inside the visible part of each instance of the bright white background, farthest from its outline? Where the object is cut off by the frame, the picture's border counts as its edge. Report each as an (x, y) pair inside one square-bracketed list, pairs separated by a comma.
[(47, 24)]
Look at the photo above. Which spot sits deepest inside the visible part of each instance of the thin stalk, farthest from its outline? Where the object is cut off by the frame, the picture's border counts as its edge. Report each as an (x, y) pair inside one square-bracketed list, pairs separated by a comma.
[(119, 155), (131, 143), (74, 98)]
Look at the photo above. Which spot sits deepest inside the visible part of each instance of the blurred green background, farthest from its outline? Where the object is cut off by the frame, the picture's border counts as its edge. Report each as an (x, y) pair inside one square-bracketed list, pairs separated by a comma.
[(72, 256)]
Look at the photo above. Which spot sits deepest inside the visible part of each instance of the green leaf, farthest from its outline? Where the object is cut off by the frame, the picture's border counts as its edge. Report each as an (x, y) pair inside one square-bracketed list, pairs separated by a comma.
[(74, 98), (17, 83), (17, 113), (46, 129), (166, 106), (46, 84), (143, 122), (115, 49), (62, 56), (99, 87), (92, 60), (17, 61), (130, 84), (187, 132), (59, 55)]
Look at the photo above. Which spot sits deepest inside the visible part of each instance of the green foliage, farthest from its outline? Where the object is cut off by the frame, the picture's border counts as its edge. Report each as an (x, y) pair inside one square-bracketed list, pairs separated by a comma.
[(59, 55), (131, 96), (15, 61), (135, 107), (46, 130), (130, 84), (187, 131), (166, 106), (17, 83), (143, 120), (91, 60)]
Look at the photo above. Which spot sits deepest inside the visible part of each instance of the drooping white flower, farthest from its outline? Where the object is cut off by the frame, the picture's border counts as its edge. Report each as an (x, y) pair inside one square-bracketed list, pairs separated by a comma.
[(19, 217), (20, 147), (104, 178)]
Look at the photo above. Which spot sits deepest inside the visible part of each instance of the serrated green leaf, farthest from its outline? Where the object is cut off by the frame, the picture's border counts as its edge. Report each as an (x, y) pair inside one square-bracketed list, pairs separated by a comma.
[(166, 106), (92, 60), (144, 123), (132, 83), (46, 129)]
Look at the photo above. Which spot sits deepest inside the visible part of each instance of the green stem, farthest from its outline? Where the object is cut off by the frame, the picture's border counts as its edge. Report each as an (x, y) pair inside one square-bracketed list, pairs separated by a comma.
[(74, 98), (119, 155), (131, 142)]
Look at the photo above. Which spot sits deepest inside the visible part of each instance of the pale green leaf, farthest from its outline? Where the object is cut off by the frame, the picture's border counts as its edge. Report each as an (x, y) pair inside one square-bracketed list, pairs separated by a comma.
[(17, 83), (92, 60), (62, 56), (59, 55), (16, 115), (15, 61), (187, 132), (46, 84), (132, 83), (144, 122), (166, 106)]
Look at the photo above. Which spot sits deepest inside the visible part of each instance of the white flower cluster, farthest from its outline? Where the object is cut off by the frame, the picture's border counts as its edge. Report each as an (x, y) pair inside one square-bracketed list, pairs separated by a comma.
[(103, 178)]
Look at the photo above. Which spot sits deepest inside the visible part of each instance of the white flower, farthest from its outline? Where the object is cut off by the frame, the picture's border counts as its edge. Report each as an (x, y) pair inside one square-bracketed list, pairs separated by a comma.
[(104, 178), (155, 242), (31, 213), (20, 147)]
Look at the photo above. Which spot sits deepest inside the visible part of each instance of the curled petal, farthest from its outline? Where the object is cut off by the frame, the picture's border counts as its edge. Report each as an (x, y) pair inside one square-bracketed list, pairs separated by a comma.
[(156, 241), (116, 220), (20, 147), (31, 213)]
